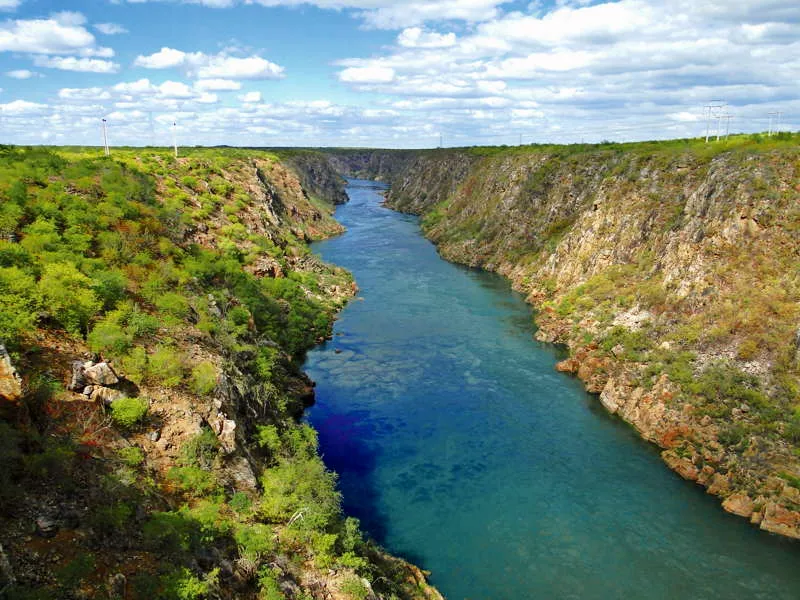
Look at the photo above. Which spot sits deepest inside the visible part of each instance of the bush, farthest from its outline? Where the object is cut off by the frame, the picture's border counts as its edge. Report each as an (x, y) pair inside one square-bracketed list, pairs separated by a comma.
[(172, 304), (254, 541), (204, 378), (68, 296), (166, 366), (108, 337), (134, 365), (129, 412), (19, 303), (131, 456), (194, 481), (200, 450)]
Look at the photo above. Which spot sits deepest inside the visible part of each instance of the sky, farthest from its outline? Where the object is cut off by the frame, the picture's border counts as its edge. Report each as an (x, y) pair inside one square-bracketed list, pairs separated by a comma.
[(378, 73)]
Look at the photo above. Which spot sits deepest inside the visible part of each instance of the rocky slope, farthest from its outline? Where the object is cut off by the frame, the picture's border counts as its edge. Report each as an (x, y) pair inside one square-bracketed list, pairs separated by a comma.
[(156, 312), (670, 270)]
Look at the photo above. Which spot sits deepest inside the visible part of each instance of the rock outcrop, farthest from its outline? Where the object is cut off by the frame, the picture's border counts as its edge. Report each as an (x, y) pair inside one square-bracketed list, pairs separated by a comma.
[(10, 381)]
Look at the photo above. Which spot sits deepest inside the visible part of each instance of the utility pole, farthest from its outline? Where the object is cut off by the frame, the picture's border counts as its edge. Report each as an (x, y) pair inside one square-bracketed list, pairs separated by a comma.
[(727, 124), (440, 140), (710, 108), (106, 150), (175, 137), (777, 114), (520, 139)]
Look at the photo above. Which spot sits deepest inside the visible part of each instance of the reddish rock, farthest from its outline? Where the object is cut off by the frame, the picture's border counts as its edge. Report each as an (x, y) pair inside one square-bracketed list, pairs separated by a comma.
[(10, 382), (781, 520), (739, 504), (682, 466)]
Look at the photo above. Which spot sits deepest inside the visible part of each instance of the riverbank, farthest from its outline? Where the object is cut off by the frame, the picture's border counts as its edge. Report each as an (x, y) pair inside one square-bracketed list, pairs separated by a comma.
[(666, 271), (459, 445), (156, 313)]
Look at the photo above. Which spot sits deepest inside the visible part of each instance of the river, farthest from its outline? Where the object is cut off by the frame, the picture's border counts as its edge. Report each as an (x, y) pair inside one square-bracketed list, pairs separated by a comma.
[(462, 449)]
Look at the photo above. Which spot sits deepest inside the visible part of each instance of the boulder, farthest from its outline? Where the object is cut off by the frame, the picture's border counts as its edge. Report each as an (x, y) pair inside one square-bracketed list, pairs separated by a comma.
[(101, 374), (78, 380), (739, 504), (10, 381), (781, 520), (117, 585), (46, 527), (105, 395)]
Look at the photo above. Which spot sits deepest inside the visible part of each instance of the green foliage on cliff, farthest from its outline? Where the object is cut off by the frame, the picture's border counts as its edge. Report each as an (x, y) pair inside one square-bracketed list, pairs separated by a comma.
[(153, 263)]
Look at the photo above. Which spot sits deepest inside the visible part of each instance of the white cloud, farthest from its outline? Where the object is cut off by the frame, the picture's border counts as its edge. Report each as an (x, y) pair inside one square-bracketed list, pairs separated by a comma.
[(414, 37), (22, 107), (166, 58), (93, 94), (63, 33), (368, 74), (217, 66), (110, 28), (252, 67), (250, 97), (383, 14), (9, 4), (175, 89), (217, 85), (20, 74), (71, 63)]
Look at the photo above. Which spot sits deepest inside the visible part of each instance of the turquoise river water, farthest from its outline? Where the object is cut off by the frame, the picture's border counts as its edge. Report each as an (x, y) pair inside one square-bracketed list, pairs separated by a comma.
[(461, 448)]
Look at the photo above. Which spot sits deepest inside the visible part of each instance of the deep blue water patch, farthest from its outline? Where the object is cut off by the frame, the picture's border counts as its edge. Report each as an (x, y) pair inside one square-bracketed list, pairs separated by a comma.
[(461, 448)]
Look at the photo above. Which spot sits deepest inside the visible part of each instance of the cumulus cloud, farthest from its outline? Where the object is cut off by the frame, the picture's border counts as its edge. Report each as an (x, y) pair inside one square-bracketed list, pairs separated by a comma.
[(9, 4), (414, 37), (217, 85), (20, 74), (63, 33), (206, 66), (383, 14), (250, 97), (72, 63), (367, 74), (110, 28), (562, 71)]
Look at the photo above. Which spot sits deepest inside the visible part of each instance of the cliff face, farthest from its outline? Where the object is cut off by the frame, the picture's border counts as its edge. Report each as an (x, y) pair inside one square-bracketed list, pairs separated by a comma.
[(316, 175), (671, 273), (156, 312), (380, 165)]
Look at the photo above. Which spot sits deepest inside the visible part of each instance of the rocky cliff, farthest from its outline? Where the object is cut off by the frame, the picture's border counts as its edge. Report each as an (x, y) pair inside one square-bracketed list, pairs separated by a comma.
[(670, 270), (156, 312)]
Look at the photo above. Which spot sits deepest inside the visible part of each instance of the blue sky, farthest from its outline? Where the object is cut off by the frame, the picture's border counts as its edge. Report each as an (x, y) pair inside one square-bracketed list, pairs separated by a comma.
[(381, 73)]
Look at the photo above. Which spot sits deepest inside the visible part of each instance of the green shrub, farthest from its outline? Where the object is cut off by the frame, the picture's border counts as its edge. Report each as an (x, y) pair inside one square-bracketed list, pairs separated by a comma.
[(268, 588), (194, 481), (129, 412), (109, 286), (74, 572), (134, 365), (200, 450), (204, 378), (182, 584), (68, 297), (110, 338), (131, 456), (172, 304), (354, 588), (19, 303), (166, 366), (254, 541)]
